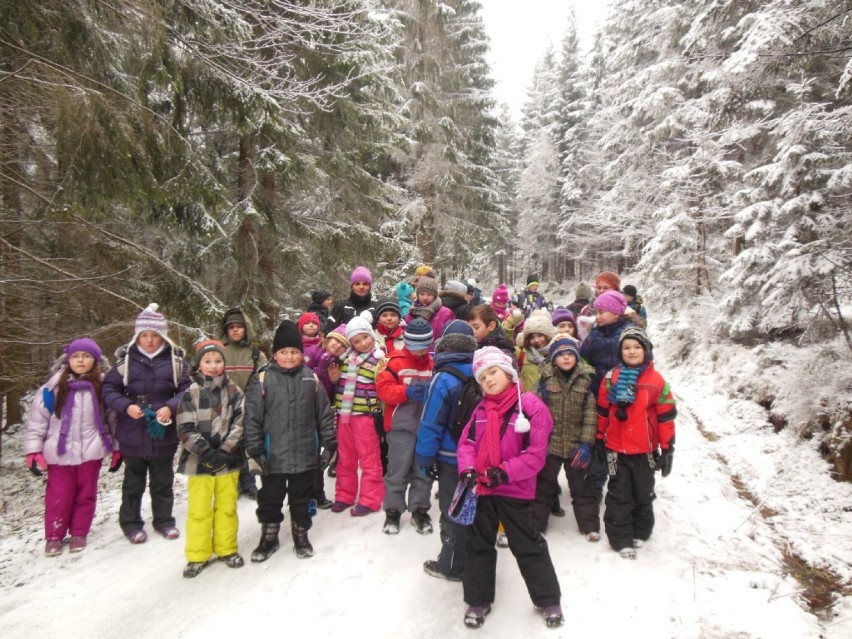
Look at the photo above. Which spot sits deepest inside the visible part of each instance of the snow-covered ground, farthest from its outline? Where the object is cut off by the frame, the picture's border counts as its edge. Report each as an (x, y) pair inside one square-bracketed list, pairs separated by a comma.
[(715, 567)]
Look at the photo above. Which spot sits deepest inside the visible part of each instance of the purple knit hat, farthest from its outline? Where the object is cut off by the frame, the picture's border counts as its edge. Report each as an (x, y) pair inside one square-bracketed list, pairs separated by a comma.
[(86, 345), (562, 315), (361, 274), (611, 301)]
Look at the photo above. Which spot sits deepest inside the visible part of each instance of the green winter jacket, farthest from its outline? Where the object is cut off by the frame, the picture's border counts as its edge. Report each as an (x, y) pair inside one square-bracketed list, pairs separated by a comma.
[(572, 407)]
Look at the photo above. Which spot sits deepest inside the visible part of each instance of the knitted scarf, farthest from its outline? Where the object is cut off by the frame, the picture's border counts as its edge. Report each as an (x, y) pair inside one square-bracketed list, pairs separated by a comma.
[(67, 409), (623, 392), (348, 400), (534, 355), (496, 408), (426, 312)]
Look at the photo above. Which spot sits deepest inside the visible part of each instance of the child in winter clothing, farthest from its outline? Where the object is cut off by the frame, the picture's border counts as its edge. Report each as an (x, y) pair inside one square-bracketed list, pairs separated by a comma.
[(500, 302), (242, 360), (636, 313), (402, 387), (428, 306), (435, 452), (582, 297), (636, 413), (309, 329), (320, 304), (360, 298), (537, 333), (564, 388), (356, 402), (287, 414), (487, 331), (405, 296), (531, 300), (564, 322), (389, 326), (500, 453), (67, 435), (210, 429), (600, 348), (144, 389)]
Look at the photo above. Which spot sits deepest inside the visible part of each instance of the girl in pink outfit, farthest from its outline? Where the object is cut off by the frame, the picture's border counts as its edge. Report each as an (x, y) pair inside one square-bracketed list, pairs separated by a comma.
[(500, 302), (67, 435)]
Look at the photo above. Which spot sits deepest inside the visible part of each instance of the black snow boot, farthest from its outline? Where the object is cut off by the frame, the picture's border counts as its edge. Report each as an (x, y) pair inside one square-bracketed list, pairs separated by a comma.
[(268, 542), (301, 546), (391, 525), (422, 522)]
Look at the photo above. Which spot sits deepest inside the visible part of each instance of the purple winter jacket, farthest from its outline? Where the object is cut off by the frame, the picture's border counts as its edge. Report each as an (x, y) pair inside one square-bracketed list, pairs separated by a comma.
[(440, 319), (150, 382), (84, 441), (522, 466)]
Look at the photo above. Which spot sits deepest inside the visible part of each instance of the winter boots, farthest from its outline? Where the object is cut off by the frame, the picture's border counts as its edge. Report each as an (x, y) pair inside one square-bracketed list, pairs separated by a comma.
[(474, 616), (301, 546), (268, 542), (193, 568), (391, 525), (421, 521), (553, 616)]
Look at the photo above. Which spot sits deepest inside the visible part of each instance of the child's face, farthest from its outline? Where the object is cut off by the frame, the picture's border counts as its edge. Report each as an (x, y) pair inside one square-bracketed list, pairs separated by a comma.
[(310, 329), (481, 330), (604, 318), (419, 353), (335, 348), (632, 352), (494, 381), (389, 319), (236, 332), (361, 288), (150, 341), (566, 326), (537, 340), (533, 288), (81, 362), (328, 302), (212, 364), (565, 361), (363, 343), (424, 298), (288, 357)]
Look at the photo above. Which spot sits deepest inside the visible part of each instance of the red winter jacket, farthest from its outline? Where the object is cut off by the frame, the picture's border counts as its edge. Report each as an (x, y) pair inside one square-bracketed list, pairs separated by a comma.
[(650, 418), (403, 369)]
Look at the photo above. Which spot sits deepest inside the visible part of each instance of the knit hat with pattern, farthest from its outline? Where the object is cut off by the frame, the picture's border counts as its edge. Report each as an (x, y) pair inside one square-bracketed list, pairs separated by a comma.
[(304, 318), (610, 278), (500, 295), (208, 346), (418, 335), (563, 343), (489, 356), (427, 284), (151, 320)]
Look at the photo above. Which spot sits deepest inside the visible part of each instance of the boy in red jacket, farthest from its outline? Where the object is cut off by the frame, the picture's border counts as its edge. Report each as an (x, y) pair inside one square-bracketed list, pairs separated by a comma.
[(636, 413)]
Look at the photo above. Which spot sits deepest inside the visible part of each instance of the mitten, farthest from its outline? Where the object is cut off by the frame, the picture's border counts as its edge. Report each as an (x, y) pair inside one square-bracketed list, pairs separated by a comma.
[(214, 460), (36, 463), (599, 451), (416, 392), (469, 477), (496, 477), (581, 455), (666, 460), (430, 472), (115, 462)]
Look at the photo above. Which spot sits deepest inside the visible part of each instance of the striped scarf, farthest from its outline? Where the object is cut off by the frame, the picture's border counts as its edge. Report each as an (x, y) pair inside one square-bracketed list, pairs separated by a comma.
[(348, 399), (623, 393)]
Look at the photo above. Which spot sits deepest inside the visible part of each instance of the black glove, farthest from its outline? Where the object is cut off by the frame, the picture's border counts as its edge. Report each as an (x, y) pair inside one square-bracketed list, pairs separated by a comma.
[(496, 477), (469, 477), (215, 460), (664, 463), (430, 471), (599, 452)]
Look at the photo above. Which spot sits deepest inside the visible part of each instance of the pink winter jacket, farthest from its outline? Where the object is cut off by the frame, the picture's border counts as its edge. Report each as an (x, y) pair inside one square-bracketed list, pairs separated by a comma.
[(42, 432), (521, 465)]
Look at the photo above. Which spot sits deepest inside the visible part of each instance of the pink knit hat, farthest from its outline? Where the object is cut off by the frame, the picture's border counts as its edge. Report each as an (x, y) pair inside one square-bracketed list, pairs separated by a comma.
[(611, 301), (361, 274), (500, 295), (489, 356)]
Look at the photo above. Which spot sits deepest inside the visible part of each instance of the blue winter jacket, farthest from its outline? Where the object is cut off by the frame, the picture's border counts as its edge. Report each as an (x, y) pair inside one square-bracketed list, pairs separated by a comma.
[(434, 440), (600, 350)]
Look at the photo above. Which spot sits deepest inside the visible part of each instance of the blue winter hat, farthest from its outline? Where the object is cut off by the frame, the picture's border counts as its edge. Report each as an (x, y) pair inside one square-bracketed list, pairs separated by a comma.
[(563, 344), (418, 335), (458, 327)]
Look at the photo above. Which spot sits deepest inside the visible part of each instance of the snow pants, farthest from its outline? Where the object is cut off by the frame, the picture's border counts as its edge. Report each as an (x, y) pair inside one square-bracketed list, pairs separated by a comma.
[(453, 535), (211, 516), (404, 475), (70, 498), (630, 498), (526, 543), (358, 445), (275, 487), (585, 494), (136, 473)]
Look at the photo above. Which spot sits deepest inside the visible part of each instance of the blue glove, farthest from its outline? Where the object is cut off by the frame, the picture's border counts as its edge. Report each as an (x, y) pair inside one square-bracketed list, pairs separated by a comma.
[(581, 456), (155, 429), (416, 392)]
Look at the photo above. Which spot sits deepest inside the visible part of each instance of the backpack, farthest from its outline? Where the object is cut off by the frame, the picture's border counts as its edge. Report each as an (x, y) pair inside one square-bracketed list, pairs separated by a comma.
[(470, 396)]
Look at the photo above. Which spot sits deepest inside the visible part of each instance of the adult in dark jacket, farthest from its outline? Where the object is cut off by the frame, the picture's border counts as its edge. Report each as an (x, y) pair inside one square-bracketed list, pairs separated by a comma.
[(360, 299), (453, 296), (144, 389)]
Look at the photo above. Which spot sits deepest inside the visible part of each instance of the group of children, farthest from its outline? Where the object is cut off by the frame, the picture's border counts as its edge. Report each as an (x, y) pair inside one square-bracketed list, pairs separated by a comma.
[(442, 392)]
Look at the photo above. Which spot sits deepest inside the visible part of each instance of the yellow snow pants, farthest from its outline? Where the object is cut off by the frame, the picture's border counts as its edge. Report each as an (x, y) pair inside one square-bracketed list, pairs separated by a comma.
[(211, 516)]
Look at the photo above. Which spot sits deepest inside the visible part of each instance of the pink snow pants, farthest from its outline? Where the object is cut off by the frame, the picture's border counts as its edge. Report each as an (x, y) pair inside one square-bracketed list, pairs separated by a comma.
[(70, 498), (358, 444)]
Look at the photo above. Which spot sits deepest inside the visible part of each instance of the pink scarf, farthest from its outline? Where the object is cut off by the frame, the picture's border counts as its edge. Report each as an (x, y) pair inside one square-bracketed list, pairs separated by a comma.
[(496, 409)]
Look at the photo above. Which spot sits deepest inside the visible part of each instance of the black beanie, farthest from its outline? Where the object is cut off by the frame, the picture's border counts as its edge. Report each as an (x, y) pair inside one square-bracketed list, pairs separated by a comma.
[(319, 296), (387, 304), (287, 334)]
